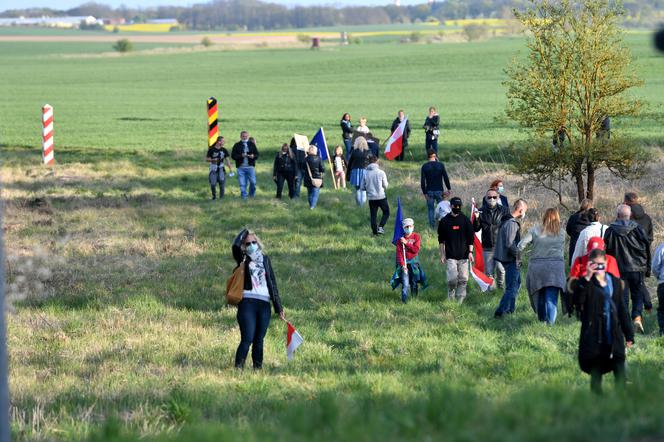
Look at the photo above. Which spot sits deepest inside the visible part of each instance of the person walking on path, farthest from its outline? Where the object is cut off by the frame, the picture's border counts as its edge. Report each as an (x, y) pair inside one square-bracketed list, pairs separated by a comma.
[(313, 178), (433, 180), (639, 215), (628, 243), (431, 130), (406, 133), (375, 184), (488, 221), (347, 134), (546, 268), (283, 170), (455, 239), (595, 228), (217, 156), (260, 289), (605, 324), (409, 272), (507, 253), (358, 167), (245, 154), (658, 270), (575, 225)]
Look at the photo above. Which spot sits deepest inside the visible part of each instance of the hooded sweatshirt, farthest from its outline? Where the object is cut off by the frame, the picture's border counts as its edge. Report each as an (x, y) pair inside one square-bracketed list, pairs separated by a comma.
[(642, 219), (374, 182), (509, 236), (627, 242)]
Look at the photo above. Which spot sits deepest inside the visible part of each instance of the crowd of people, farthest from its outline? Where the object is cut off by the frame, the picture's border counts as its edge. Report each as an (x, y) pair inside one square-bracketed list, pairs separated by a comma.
[(608, 263)]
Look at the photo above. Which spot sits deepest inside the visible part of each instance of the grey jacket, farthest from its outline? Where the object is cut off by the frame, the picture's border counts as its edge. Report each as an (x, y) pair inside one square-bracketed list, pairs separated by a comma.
[(509, 236), (374, 182)]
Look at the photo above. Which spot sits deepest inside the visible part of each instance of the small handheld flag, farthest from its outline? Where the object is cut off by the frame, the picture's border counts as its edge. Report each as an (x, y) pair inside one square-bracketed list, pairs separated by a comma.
[(394, 145), (293, 341)]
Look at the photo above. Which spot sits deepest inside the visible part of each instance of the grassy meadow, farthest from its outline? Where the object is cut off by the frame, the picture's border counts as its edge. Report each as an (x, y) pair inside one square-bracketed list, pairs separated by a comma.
[(117, 258)]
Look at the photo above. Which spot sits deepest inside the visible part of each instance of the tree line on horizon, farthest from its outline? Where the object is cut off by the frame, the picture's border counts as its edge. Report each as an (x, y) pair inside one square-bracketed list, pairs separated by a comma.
[(254, 15)]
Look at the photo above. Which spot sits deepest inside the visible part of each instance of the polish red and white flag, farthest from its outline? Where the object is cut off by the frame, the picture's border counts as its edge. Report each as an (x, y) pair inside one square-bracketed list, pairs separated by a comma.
[(394, 145), (477, 269), (293, 341)]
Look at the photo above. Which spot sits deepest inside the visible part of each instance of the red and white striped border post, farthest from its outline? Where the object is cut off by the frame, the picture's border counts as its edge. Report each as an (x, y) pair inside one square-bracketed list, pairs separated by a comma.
[(47, 135)]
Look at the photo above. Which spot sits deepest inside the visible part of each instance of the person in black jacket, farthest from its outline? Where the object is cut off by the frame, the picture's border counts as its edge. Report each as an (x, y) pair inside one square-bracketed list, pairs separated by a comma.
[(605, 324), (245, 154), (433, 178), (488, 221), (314, 172), (641, 217), (357, 168), (347, 133), (406, 133), (576, 223), (432, 130), (217, 156), (300, 166), (455, 239), (284, 170), (260, 288), (628, 243)]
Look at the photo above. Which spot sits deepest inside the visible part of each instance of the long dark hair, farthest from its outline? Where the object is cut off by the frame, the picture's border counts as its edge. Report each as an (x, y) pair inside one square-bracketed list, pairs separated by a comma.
[(343, 117)]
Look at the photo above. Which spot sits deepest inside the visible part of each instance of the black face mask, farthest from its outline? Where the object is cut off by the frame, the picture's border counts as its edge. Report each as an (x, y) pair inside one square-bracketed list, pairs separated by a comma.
[(456, 210)]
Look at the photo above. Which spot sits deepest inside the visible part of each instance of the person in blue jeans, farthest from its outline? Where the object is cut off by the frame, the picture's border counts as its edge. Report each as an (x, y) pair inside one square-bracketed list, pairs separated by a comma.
[(245, 154), (433, 179), (313, 176), (507, 253), (260, 289), (546, 268)]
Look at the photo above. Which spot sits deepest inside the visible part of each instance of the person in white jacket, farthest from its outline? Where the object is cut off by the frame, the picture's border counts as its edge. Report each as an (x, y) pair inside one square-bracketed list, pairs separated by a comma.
[(375, 183), (658, 271), (596, 228)]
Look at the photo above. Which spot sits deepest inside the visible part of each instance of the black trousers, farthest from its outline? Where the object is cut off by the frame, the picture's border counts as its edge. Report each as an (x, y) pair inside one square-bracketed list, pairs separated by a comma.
[(635, 285), (403, 152), (289, 178), (374, 205), (604, 363), (660, 308)]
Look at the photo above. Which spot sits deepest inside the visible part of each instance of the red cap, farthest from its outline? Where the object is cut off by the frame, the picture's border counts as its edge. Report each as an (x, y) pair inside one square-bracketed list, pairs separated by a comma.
[(595, 243)]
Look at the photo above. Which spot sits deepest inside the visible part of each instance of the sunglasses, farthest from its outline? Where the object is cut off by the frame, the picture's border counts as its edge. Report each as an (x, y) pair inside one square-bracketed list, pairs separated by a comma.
[(248, 243), (492, 197)]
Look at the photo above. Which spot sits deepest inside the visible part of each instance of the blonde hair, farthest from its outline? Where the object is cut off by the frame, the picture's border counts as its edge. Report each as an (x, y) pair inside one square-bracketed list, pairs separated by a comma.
[(551, 222), (338, 150), (243, 246), (363, 119), (313, 150), (361, 144)]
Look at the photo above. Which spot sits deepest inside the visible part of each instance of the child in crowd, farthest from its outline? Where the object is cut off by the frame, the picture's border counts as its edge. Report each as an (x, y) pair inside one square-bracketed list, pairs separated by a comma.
[(443, 207), (339, 167), (409, 271)]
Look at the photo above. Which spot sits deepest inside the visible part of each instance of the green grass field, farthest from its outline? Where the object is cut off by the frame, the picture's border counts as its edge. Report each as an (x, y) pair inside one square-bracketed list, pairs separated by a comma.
[(126, 335)]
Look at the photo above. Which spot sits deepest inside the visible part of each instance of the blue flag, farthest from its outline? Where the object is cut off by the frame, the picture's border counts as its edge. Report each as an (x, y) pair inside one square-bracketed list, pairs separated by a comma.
[(398, 224), (319, 141)]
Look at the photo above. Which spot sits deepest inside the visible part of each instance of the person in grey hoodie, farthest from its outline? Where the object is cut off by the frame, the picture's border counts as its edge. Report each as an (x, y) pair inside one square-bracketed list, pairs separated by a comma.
[(375, 184), (507, 253), (658, 270), (627, 241)]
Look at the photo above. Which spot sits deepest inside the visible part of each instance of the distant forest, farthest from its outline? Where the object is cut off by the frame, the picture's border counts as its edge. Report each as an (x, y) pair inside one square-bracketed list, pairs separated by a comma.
[(257, 15)]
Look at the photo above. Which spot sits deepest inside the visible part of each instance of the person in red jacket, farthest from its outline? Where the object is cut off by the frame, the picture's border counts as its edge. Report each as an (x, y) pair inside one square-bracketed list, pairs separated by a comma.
[(580, 264), (409, 271)]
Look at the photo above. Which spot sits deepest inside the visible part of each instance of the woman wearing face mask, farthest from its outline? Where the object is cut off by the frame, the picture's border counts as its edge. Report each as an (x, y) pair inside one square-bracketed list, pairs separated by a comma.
[(260, 288), (499, 187), (284, 170), (605, 322), (409, 272), (546, 269)]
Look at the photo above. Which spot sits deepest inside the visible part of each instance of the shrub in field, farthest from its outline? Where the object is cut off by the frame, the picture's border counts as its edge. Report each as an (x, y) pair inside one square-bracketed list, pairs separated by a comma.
[(304, 38), (475, 32), (415, 36), (207, 42), (123, 45), (116, 29)]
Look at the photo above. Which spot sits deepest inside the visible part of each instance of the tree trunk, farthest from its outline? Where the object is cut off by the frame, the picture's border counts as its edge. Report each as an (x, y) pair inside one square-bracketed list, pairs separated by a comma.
[(577, 173), (590, 193)]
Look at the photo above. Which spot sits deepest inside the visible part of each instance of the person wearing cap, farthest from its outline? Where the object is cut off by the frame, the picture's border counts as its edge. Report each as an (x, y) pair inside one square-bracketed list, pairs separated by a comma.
[(217, 156), (455, 238), (595, 228), (409, 272)]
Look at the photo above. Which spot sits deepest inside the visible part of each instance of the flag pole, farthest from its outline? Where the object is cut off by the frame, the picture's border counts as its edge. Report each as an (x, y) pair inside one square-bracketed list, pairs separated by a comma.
[(334, 181)]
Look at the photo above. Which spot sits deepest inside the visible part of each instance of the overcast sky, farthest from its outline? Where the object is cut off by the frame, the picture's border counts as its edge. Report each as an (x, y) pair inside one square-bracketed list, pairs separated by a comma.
[(66, 4)]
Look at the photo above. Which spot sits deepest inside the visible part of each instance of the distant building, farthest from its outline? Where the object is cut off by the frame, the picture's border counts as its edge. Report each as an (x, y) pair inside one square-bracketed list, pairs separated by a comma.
[(51, 22), (163, 21)]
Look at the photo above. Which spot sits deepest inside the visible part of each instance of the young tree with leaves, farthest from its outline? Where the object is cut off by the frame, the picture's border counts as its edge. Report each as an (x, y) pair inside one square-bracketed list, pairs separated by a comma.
[(576, 75)]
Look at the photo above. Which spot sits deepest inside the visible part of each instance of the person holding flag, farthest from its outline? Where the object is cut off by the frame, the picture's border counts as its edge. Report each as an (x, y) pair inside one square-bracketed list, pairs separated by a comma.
[(456, 239), (487, 220), (405, 131), (478, 270), (323, 152), (398, 141), (409, 272)]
